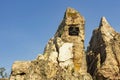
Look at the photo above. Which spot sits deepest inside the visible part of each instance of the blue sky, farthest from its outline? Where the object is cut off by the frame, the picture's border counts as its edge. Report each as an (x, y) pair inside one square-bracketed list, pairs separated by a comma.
[(27, 25)]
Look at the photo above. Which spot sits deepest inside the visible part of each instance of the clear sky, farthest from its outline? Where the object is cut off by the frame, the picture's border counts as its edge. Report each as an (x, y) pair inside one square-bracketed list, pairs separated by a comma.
[(27, 25)]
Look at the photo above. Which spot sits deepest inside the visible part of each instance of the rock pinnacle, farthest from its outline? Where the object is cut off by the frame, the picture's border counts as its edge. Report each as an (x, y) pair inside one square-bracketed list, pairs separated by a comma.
[(103, 21)]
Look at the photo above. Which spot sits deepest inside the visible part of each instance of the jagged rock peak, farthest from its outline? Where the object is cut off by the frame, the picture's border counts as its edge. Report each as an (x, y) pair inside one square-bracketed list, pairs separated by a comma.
[(72, 16), (103, 56), (72, 20), (103, 21), (71, 11), (106, 29), (104, 24)]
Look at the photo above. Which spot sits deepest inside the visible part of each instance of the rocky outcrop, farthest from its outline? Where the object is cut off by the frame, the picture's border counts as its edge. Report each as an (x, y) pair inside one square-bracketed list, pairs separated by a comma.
[(103, 53), (64, 56)]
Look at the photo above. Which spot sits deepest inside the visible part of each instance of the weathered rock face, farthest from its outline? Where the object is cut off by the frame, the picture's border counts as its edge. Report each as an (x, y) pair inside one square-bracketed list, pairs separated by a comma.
[(63, 58), (3, 79), (71, 31), (103, 54)]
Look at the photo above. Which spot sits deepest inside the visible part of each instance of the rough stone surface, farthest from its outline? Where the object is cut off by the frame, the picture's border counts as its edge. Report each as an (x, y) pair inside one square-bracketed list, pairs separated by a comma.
[(103, 54), (4, 79), (65, 52), (64, 56)]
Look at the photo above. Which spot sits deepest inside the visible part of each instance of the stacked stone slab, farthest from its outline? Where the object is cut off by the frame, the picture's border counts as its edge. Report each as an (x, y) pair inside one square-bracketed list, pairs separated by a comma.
[(64, 56), (103, 56)]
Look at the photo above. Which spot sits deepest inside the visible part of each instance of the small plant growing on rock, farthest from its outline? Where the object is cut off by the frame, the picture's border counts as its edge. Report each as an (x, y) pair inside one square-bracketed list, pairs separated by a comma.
[(3, 74)]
